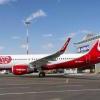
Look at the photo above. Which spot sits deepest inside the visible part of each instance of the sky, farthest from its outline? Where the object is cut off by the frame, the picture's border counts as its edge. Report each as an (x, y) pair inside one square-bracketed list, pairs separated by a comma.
[(52, 22)]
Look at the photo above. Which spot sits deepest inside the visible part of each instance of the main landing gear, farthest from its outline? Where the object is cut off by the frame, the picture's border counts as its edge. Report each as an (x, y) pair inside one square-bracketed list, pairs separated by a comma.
[(41, 74)]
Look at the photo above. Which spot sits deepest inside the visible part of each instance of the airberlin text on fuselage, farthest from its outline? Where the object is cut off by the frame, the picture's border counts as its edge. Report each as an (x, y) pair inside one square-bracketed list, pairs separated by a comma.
[(5, 59)]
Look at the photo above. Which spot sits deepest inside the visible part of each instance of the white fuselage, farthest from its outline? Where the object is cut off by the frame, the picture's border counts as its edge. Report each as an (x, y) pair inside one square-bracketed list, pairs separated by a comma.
[(26, 59)]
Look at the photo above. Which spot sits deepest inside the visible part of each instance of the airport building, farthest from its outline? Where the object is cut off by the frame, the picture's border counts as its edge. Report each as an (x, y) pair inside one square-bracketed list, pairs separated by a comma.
[(84, 46)]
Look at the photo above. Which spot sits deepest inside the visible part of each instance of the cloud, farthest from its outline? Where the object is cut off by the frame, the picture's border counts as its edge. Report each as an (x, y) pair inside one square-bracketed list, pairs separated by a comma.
[(37, 14), (47, 46), (71, 34), (15, 37), (1, 48), (84, 31), (23, 46), (47, 35), (2, 2)]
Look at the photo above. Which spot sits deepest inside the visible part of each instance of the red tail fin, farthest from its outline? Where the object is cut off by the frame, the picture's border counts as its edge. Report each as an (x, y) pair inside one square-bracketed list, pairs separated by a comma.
[(95, 50)]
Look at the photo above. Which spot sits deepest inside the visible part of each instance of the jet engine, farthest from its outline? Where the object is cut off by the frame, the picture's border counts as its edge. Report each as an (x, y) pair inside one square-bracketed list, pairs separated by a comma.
[(22, 69)]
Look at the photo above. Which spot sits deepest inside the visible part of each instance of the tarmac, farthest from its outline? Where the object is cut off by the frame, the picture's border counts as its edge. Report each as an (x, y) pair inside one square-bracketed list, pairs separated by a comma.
[(50, 88)]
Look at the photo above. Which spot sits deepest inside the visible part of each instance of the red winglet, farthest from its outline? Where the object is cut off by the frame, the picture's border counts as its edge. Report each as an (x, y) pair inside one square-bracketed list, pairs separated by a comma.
[(65, 45)]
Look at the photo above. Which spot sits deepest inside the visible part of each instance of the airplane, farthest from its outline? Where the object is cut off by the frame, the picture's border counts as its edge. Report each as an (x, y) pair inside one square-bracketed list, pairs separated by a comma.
[(78, 60), (26, 64)]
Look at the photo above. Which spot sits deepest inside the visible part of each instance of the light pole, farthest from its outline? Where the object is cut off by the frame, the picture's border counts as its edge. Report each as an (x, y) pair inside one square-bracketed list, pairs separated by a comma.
[(27, 23)]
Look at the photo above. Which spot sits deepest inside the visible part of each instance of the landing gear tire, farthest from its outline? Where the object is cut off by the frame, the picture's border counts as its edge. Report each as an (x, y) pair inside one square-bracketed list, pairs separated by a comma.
[(42, 74)]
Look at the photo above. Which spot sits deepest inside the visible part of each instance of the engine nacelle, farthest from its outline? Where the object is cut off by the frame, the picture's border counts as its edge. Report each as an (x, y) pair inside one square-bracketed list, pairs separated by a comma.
[(22, 69)]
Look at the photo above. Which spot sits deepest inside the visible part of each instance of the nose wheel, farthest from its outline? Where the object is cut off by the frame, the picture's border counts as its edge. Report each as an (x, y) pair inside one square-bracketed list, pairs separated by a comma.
[(41, 74)]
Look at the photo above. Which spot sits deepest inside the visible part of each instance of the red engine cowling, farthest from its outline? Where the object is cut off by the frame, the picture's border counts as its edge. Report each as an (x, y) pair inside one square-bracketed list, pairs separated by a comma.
[(21, 69)]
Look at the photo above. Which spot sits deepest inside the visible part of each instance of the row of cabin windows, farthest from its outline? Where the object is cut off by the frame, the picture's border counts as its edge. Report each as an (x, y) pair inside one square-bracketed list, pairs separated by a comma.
[(26, 59), (63, 58), (37, 59)]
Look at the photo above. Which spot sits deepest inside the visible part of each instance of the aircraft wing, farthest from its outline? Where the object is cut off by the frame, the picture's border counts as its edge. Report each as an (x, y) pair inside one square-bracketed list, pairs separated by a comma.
[(40, 62)]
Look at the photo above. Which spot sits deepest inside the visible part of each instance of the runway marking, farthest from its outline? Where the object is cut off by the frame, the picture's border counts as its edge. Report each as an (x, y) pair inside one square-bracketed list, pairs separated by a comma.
[(57, 84), (14, 87), (68, 85), (31, 84), (42, 92)]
